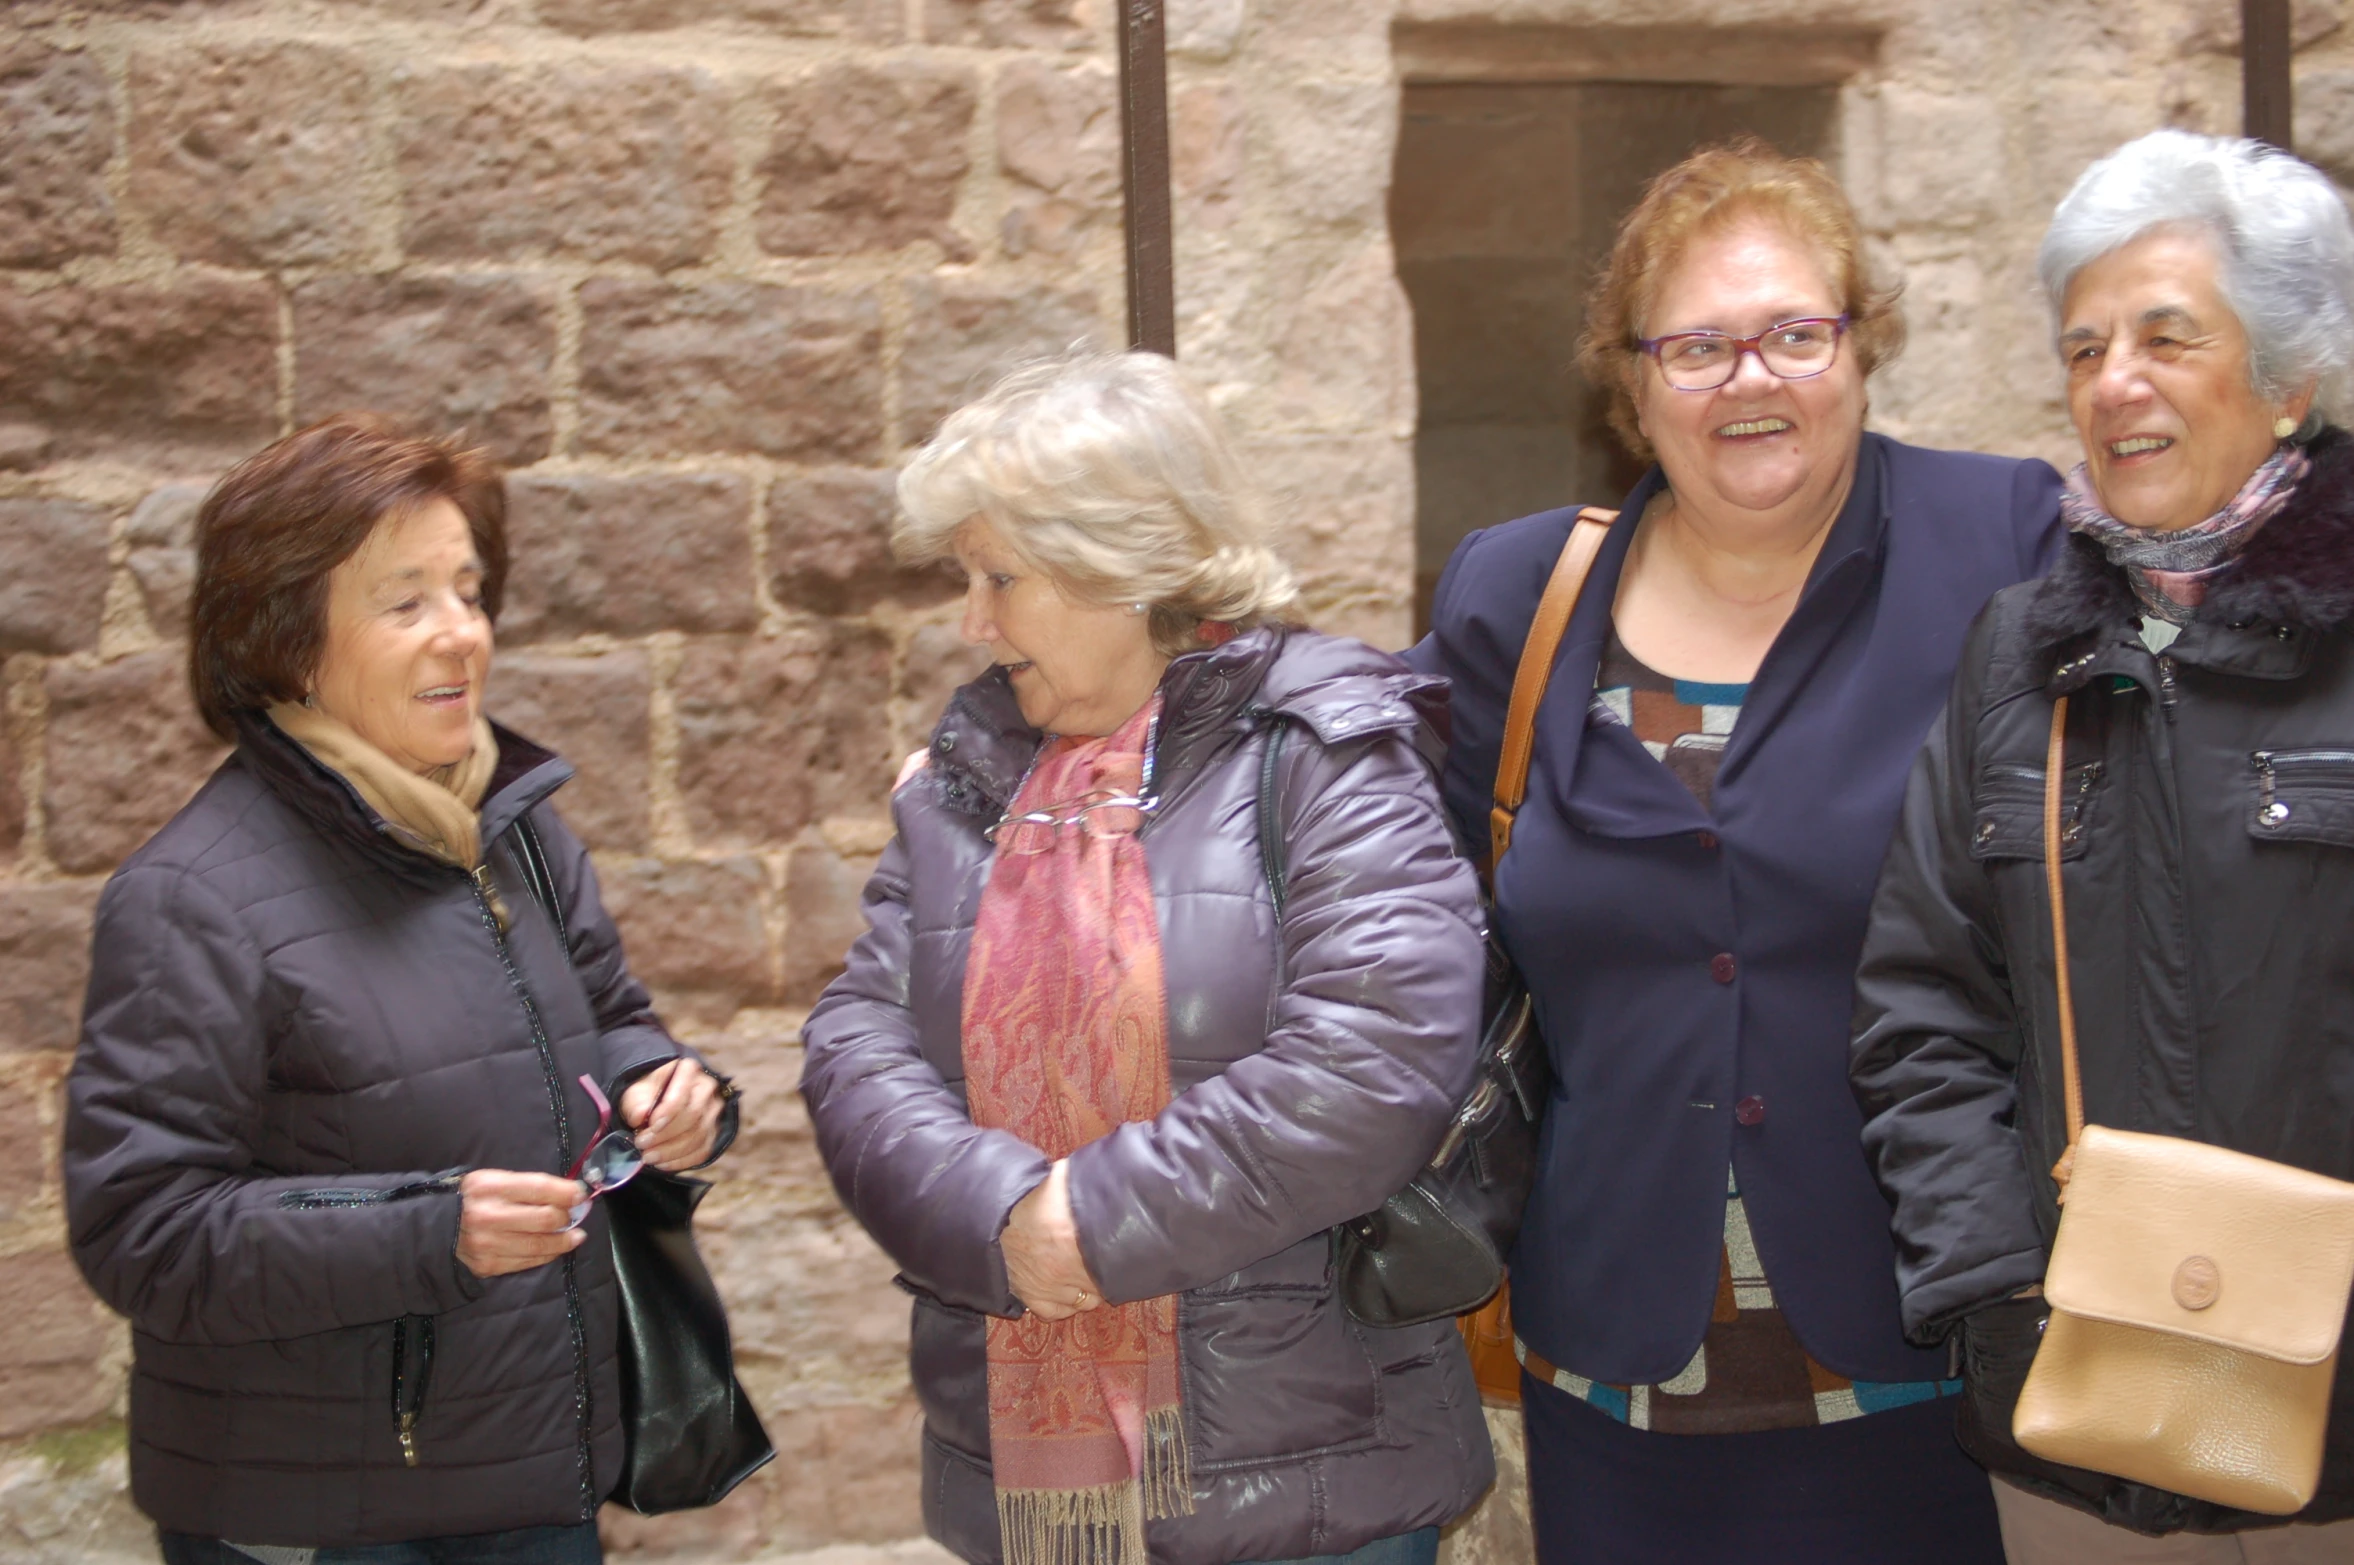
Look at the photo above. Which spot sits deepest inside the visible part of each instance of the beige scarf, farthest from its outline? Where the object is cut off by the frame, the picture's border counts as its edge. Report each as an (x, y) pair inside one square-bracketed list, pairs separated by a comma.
[(437, 813)]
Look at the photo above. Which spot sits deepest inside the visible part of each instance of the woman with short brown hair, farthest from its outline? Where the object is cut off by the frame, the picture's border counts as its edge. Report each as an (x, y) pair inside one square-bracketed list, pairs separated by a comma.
[(1714, 1365), (342, 1075)]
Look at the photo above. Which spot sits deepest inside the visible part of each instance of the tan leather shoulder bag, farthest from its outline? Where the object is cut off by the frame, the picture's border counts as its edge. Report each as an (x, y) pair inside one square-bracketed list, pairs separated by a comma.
[(2197, 1294)]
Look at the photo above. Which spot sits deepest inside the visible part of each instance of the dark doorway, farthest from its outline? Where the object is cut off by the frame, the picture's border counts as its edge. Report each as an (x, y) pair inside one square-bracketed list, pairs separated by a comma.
[(1505, 202)]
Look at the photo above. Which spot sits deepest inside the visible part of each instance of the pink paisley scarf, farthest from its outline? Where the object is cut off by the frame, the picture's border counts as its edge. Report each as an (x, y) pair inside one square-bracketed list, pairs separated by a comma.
[(1065, 1038)]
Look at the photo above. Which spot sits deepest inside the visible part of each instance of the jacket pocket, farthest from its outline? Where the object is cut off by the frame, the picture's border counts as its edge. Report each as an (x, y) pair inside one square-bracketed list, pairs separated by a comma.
[(2007, 811), (2303, 795), (948, 1358), (1274, 1367)]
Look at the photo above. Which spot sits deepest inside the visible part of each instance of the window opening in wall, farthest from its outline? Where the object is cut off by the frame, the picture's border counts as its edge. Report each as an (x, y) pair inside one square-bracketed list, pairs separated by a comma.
[(1504, 204)]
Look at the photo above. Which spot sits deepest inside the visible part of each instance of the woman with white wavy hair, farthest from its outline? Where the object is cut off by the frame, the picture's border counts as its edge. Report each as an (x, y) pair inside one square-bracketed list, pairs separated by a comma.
[(2200, 630), (1111, 1058)]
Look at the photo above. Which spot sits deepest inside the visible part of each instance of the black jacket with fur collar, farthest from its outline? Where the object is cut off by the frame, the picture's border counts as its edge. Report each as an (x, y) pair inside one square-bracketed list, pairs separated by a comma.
[(2208, 857)]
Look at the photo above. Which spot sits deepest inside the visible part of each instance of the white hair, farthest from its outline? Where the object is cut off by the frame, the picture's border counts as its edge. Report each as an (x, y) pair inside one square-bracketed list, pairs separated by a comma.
[(1112, 473), (2287, 249)]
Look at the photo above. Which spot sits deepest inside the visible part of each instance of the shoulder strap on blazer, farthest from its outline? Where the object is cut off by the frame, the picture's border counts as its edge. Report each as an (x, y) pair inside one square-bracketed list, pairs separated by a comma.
[(1536, 672)]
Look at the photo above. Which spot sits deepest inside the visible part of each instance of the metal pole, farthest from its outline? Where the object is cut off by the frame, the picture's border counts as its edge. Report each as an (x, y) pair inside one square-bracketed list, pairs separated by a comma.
[(2267, 101), (1144, 177)]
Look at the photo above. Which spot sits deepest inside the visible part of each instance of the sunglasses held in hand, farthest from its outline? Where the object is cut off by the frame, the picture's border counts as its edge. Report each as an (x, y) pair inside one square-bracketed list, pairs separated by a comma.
[(611, 1159)]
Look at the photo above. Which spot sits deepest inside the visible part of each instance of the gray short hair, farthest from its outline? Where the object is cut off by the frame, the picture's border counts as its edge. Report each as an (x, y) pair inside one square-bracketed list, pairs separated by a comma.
[(1112, 473), (2287, 246)]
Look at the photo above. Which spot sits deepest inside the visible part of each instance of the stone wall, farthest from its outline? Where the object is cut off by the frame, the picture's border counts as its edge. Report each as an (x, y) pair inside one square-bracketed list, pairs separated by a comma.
[(702, 271)]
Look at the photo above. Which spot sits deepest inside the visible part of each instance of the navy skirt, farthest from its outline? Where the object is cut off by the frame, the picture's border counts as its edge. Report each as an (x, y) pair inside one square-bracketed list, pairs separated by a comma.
[(1888, 1489)]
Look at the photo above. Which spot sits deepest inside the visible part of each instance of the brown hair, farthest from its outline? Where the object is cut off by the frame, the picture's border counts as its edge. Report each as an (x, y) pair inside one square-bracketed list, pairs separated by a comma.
[(273, 529), (1713, 190)]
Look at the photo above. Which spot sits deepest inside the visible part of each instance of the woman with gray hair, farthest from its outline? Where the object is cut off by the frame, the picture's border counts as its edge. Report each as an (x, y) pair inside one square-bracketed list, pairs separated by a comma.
[(2201, 630), (1103, 1072)]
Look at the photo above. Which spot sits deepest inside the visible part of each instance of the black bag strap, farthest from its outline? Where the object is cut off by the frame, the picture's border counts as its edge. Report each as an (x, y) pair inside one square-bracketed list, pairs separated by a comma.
[(1271, 855), (534, 858)]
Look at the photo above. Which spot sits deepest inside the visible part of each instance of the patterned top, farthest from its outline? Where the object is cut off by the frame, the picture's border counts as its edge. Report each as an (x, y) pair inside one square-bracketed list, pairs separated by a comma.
[(1750, 1372)]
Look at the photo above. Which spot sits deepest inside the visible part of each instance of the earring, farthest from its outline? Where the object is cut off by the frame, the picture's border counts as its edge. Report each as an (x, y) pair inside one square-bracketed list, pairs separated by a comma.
[(2283, 427), (1136, 608)]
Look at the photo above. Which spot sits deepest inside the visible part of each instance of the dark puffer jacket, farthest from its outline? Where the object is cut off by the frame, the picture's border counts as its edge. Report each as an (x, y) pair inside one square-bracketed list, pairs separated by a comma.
[(298, 1035), (1315, 1067), (2208, 857)]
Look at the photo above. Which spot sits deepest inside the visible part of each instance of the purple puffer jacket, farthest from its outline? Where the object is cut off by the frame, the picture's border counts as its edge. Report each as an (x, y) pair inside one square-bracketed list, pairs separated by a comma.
[(1314, 1070)]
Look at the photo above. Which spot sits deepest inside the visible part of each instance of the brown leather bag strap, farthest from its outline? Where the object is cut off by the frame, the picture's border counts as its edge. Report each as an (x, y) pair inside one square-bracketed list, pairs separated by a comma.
[(1536, 672), (2055, 766)]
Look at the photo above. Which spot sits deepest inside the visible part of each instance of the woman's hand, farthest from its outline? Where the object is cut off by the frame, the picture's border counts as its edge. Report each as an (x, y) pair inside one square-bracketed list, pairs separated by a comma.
[(1042, 1260), (673, 1112), (511, 1222)]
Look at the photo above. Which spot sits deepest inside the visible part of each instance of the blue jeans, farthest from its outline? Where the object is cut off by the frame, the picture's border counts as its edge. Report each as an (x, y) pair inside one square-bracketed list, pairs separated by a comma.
[(1407, 1548), (526, 1546)]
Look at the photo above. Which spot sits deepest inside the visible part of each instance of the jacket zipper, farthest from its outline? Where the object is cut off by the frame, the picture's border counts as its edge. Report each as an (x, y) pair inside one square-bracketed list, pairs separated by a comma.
[(583, 1412), (2166, 685), (2269, 764), (2087, 776), (408, 1391)]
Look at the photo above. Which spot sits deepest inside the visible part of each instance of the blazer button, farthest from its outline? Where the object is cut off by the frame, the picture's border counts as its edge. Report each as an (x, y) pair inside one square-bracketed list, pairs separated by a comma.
[(1706, 839), (1722, 967), (1750, 1111)]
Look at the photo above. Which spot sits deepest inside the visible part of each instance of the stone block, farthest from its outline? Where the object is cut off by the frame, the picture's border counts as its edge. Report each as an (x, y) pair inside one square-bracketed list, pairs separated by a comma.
[(1345, 359), (866, 158), (50, 1372), (57, 122), (965, 332), (251, 156), (627, 163), (2213, 27), (779, 732), (1016, 24), (845, 1474), (1058, 140), (1345, 520), (1206, 29), (829, 543), (786, 372), (44, 963), (822, 917), (1333, 146), (593, 711), (35, 1084), (53, 574), (12, 798), (466, 355), (162, 535), (628, 556), (1206, 150), (934, 662), (875, 21), (151, 369), (1941, 161), (694, 932), (2325, 122), (125, 750), (23, 447)]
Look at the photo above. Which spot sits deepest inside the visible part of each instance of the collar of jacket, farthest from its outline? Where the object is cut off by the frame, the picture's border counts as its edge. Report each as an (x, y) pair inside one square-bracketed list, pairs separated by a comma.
[(1339, 689), (526, 774), (2293, 583)]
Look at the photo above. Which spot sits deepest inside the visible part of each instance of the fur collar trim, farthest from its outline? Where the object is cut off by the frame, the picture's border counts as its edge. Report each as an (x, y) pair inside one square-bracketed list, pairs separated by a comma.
[(2299, 570)]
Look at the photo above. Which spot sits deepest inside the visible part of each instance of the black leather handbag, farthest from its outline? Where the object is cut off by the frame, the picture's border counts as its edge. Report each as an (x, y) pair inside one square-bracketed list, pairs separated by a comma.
[(1436, 1249), (691, 1431)]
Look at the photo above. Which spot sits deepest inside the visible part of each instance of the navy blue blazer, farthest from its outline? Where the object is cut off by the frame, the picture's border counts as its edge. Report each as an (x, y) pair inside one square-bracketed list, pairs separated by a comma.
[(1683, 965)]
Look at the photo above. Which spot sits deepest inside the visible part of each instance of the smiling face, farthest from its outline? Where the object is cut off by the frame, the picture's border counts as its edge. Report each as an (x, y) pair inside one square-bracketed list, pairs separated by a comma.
[(2158, 383), (1076, 668), (1758, 443), (407, 647)]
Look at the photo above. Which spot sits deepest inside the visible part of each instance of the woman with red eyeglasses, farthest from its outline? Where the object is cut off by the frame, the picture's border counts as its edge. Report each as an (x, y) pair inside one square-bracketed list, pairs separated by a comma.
[(1713, 1363)]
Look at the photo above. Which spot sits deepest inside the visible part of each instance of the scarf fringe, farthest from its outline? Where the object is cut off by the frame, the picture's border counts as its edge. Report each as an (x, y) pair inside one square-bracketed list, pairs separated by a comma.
[(1099, 1526), (1168, 1464), (1103, 1525)]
